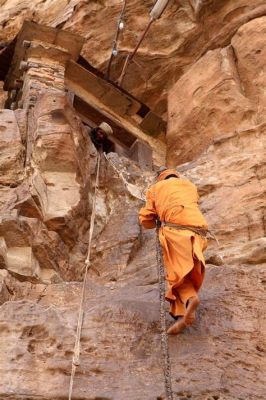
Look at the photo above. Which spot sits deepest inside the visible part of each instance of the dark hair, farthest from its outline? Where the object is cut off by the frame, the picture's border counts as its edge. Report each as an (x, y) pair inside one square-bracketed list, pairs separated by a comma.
[(171, 176)]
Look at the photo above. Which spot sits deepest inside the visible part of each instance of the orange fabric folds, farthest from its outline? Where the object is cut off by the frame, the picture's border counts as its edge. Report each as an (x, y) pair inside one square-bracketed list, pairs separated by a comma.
[(176, 200)]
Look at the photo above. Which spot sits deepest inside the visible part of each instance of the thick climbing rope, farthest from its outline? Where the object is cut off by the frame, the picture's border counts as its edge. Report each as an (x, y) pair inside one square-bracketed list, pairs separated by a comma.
[(164, 337), (76, 355)]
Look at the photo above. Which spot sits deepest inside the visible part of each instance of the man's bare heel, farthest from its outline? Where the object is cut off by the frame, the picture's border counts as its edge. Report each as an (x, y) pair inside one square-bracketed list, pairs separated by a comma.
[(178, 327), (193, 304)]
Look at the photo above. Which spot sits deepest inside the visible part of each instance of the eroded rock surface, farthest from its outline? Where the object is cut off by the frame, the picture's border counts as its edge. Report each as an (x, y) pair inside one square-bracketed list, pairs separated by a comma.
[(120, 346), (47, 173), (11, 149), (221, 126), (187, 30)]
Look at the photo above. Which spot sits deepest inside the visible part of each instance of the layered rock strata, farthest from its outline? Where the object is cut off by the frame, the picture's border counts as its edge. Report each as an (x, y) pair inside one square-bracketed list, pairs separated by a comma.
[(220, 125), (47, 169), (186, 31)]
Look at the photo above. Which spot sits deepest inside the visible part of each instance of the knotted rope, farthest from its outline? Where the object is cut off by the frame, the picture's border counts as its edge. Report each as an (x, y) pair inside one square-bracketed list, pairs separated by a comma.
[(164, 337), (76, 356)]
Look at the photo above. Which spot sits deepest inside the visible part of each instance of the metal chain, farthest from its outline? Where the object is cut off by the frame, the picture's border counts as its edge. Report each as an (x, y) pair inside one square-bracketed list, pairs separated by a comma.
[(164, 337), (161, 278)]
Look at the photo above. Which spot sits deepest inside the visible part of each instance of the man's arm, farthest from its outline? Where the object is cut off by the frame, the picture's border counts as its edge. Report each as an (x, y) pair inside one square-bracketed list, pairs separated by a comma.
[(93, 135), (147, 214)]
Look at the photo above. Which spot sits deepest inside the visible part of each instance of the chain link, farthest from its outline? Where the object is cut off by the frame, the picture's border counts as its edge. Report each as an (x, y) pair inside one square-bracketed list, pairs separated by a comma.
[(164, 336)]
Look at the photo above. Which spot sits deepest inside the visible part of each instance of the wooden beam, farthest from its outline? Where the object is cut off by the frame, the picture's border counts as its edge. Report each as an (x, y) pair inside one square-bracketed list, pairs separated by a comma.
[(80, 81), (109, 95)]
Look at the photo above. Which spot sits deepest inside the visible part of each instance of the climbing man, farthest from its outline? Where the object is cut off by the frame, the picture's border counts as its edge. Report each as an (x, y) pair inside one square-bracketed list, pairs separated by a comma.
[(99, 137), (172, 205)]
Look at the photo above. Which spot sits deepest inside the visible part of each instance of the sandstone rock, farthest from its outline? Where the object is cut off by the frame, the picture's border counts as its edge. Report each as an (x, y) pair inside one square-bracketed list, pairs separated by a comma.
[(114, 250), (234, 206), (59, 153), (21, 117), (250, 56), (216, 118), (229, 145), (130, 313), (3, 255), (3, 96), (4, 293), (29, 246), (22, 263), (187, 30), (11, 150), (252, 252), (180, 37), (209, 106)]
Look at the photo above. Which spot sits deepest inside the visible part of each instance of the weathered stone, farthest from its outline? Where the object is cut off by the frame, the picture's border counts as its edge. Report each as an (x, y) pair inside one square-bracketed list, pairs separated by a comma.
[(216, 118), (250, 57), (11, 149), (59, 153), (252, 252), (186, 30), (4, 293), (22, 263), (206, 107), (29, 246), (142, 153), (3, 255), (116, 250), (3, 96), (229, 145)]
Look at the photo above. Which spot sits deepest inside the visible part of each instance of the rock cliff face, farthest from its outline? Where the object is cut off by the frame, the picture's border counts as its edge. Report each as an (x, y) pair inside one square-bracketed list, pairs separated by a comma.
[(208, 57), (187, 30)]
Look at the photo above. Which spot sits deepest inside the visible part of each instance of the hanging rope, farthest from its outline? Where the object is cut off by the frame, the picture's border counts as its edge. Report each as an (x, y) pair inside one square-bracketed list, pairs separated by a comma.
[(76, 356), (164, 337), (160, 269)]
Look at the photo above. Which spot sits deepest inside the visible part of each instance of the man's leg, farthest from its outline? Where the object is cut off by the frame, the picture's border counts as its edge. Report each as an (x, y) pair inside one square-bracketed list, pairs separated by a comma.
[(186, 294), (177, 307), (186, 290)]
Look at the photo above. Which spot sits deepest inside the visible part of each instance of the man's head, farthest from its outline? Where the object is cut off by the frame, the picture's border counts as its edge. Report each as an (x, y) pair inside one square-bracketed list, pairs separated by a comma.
[(165, 173), (104, 130)]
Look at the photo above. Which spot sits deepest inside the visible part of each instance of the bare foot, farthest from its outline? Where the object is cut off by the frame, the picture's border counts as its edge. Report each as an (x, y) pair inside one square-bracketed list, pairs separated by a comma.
[(193, 303), (178, 327)]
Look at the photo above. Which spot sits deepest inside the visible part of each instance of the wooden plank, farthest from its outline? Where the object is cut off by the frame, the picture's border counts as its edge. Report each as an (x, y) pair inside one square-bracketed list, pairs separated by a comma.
[(109, 95)]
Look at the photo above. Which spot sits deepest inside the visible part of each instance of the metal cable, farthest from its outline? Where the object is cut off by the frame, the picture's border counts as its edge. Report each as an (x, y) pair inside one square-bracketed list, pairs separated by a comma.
[(114, 47)]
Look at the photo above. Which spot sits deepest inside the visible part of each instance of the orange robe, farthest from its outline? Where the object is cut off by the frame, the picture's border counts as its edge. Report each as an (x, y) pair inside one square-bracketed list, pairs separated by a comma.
[(176, 200)]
